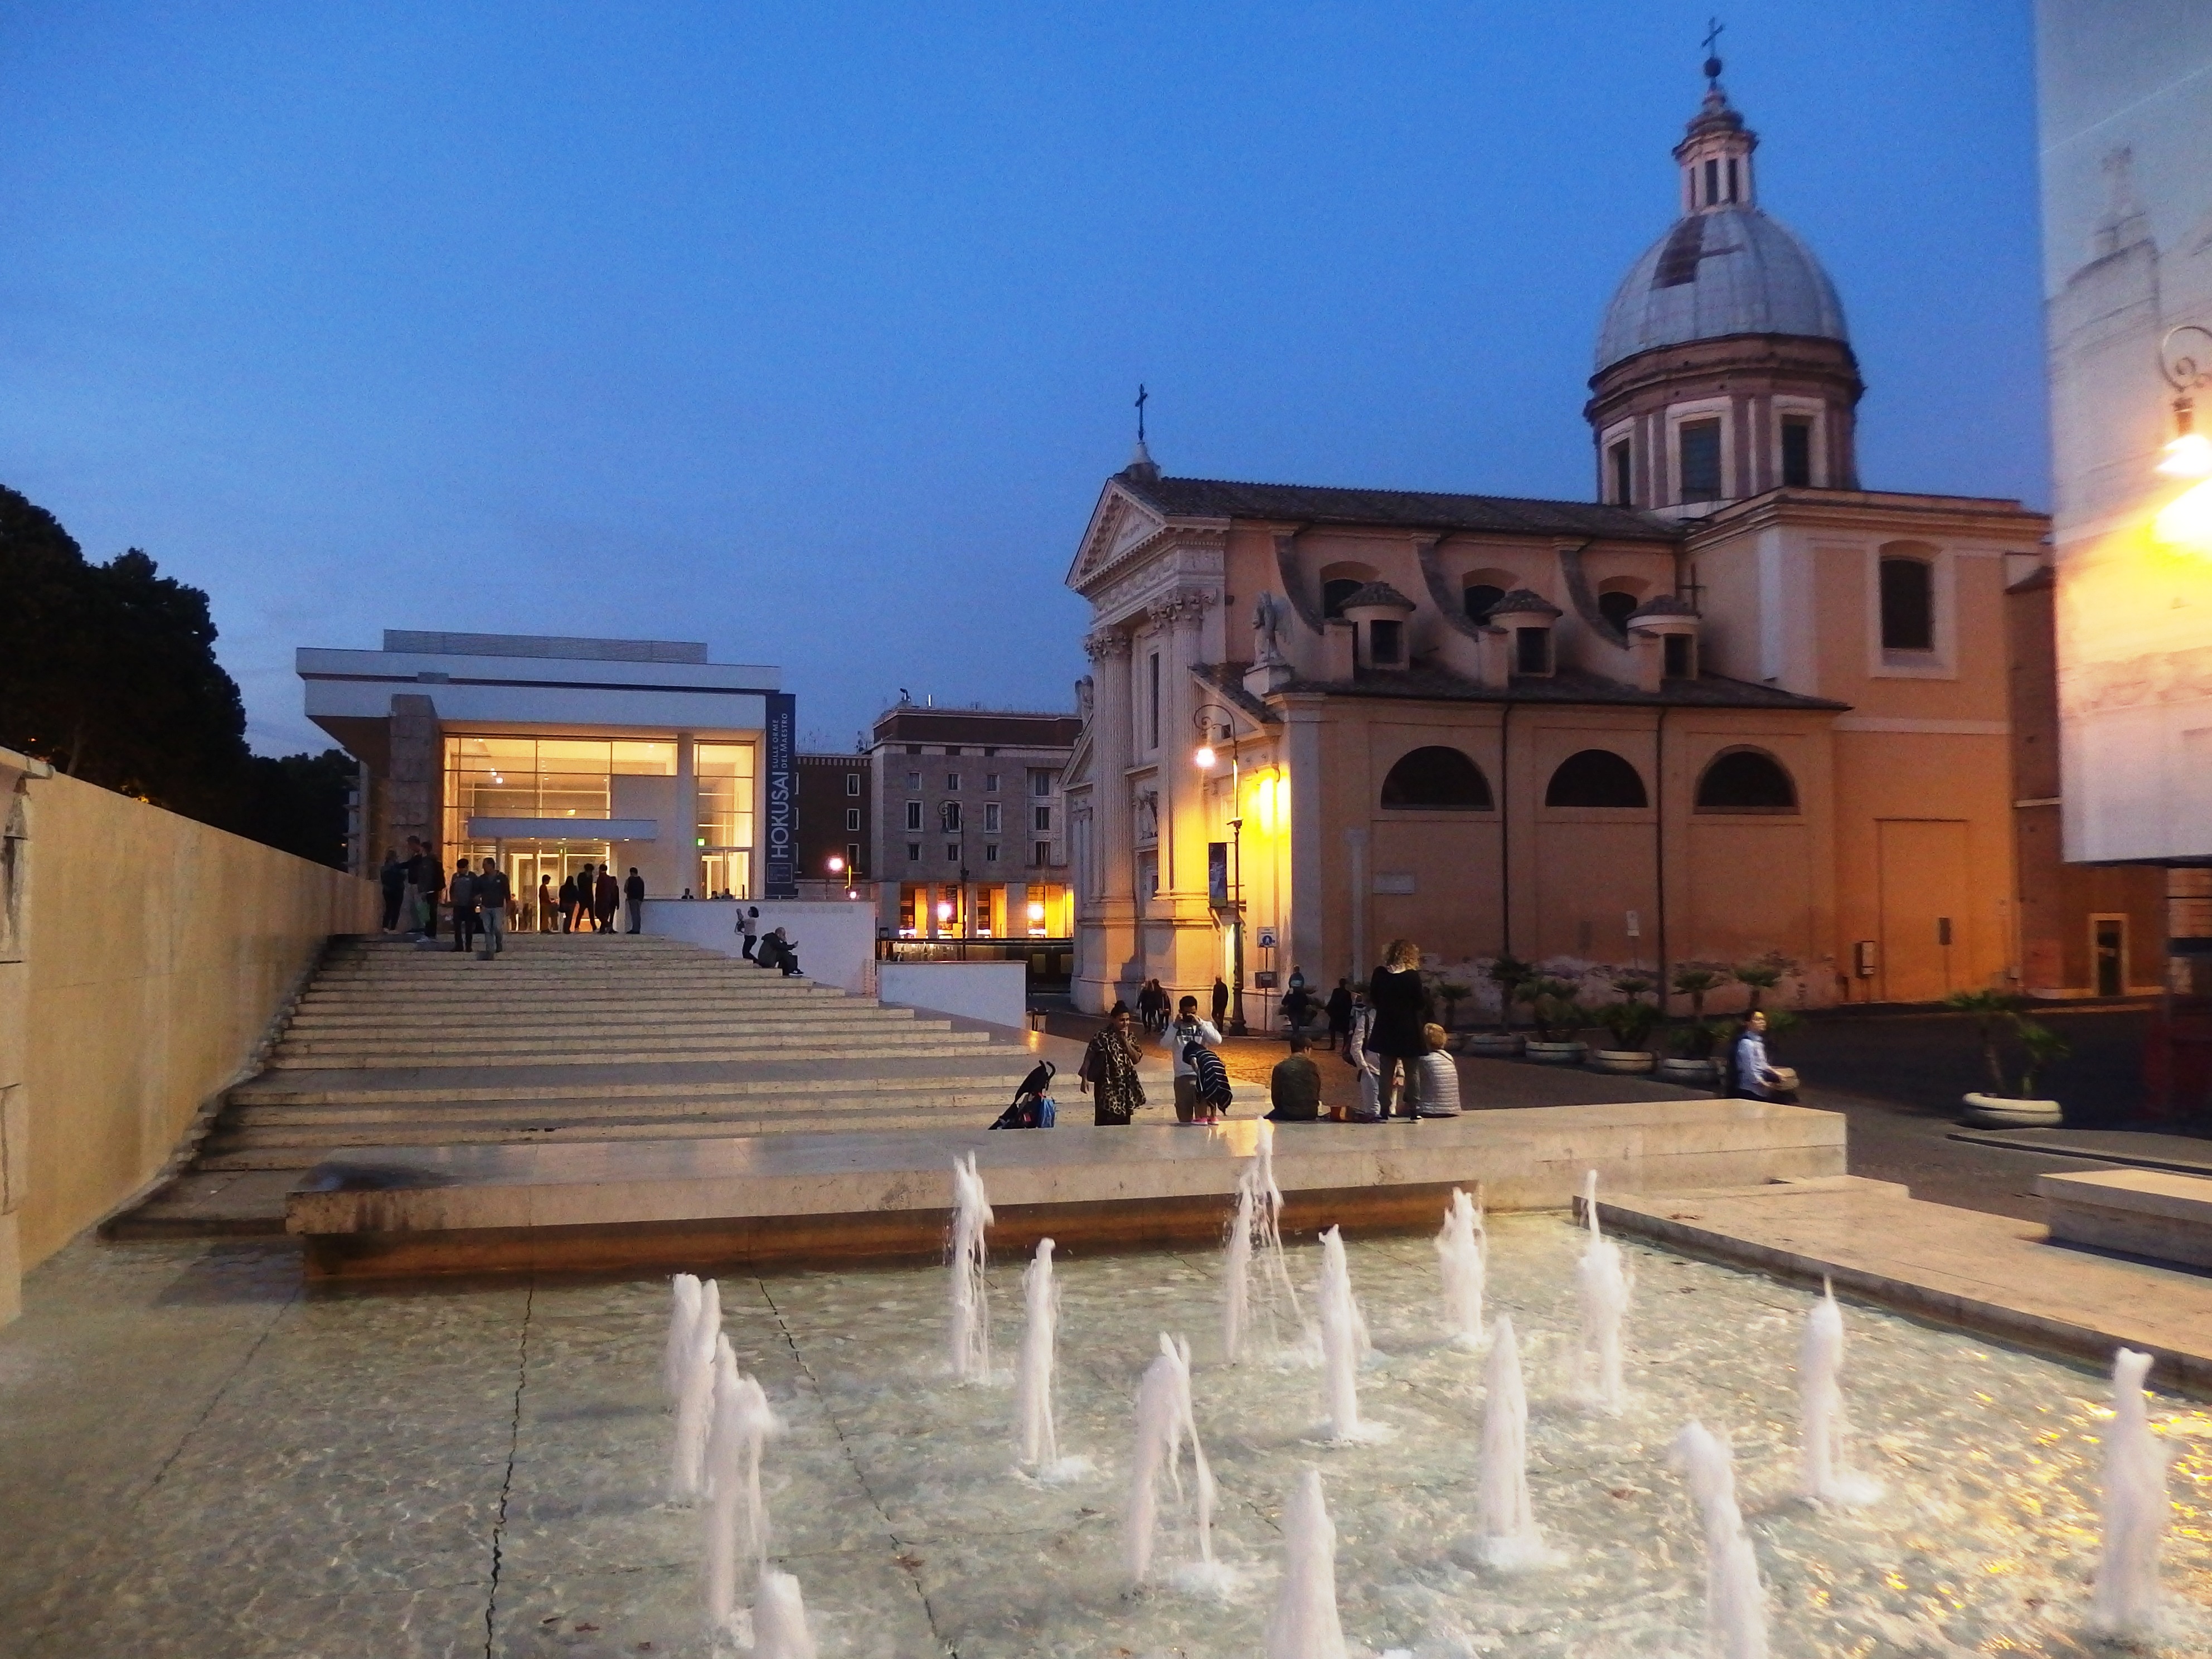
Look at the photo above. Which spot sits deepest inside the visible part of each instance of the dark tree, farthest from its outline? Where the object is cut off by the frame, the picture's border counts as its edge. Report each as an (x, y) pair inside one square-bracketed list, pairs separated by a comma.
[(109, 673)]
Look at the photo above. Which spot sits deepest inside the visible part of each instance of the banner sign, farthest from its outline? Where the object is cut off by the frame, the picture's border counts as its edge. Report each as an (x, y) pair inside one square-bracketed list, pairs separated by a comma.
[(782, 881)]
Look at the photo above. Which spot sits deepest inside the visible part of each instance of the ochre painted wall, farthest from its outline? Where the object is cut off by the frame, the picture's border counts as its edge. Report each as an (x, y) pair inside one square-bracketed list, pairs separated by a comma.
[(156, 951)]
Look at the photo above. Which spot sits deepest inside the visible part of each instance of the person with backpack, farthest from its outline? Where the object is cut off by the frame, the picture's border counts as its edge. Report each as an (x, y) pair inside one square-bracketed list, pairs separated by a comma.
[(1340, 1013), (1210, 1079), (1186, 1029)]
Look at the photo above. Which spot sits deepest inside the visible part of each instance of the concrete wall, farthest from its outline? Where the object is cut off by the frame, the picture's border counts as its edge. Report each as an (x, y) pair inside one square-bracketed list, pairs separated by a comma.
[(143, 961), (836, 937), (994, 991)]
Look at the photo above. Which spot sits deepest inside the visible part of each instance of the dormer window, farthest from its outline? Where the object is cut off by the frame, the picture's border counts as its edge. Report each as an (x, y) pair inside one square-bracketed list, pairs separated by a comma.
[(1616, 608), (1386, 644), (1378, 613), (1480, 598), (1527, 618), (1532, 650), (1682, 657)]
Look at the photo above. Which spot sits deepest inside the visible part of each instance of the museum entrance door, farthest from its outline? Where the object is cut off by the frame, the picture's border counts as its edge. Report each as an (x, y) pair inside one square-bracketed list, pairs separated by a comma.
[(526, 862)]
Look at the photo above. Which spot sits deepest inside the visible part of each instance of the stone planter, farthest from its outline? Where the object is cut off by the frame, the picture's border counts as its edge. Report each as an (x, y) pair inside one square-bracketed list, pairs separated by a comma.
[(1498, 1045), (1554, 1054), (2002, 1112), (1692, 1073), (1626, 1062)]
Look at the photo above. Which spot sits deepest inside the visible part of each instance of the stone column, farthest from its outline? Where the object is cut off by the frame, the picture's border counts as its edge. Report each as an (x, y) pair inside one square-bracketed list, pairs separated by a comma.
[(1181, 785), (1105, 929), (417, 775), (17, 772)]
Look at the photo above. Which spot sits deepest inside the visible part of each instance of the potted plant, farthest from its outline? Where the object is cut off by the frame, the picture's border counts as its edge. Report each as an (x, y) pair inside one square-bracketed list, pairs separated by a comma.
[(1762, 977), (1558, 1014), (1629, 1020), (1511, 976), (1692, 1062), (1453, 994), (1996, 1015)]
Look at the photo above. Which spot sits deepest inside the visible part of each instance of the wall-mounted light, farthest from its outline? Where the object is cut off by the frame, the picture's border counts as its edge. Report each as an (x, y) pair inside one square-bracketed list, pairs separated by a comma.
[(1205, 758), (2186, 522)]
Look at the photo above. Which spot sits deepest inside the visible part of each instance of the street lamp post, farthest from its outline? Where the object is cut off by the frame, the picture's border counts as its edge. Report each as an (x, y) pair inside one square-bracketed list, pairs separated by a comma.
[(1205, 759)]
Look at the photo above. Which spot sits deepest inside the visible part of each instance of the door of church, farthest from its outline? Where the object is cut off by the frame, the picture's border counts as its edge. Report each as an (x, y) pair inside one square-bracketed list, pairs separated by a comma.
[(1923, 902)]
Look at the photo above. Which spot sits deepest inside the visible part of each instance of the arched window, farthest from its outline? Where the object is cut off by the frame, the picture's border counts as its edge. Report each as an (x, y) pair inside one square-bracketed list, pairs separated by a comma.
[(1482, 599), (1596, 777), (1437, 776), (1908, 603), (1616, 608), (1745, 780), (1334, 594)]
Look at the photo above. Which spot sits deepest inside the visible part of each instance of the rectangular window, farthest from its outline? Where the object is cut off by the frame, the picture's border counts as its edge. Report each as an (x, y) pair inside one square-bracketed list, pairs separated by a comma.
[(991, 818), (951, 749), (1152, 701), (913, 780), (851, 858), (1700, 443), (1386, 642), (914, 851), (1712, 183), (1678, 665), (851, 819), (914, 749), (952, 854), (913, 815), (852, 783), (1039, 783), (949, 815), (990, 851), (1908, 605), (952, 780), (1044, 857), (724, 773), (990, 783), (1623, 474), (1043, 825), (1731, 176), (1532, 650), (1797, 451)]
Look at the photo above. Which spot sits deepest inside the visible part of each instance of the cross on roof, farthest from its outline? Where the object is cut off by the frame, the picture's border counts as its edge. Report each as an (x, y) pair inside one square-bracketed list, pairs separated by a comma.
[(1713, 28), (1143, 396)]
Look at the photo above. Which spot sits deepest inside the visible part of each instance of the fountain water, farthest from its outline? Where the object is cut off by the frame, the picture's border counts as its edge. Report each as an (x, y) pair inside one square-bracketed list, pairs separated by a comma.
[(1037, 1435), (1304, 1624), (1256, 1231), (1735, 1606), (685, 1289), (737, 1518), (1460, 1259), (1344, 1345), (2125, 1601), (1821, 1408), (1164, 1421), (1601, 1287), (695, 1396), (971, 1306), (780, 1630), (1507, 1534)]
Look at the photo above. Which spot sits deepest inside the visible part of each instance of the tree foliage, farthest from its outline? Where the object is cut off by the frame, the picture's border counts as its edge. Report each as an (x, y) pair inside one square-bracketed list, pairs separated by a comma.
[(108, 672)]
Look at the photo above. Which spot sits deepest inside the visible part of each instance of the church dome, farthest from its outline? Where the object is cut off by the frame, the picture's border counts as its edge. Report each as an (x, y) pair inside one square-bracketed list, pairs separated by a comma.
[(1722, 270)]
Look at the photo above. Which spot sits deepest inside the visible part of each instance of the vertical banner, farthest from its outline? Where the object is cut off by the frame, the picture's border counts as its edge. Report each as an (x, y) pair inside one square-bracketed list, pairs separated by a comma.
[(782, 797)]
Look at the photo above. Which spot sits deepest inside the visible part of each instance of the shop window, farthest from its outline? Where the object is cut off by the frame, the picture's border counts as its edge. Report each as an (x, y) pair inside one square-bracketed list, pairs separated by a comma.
[(1596, 777), (1745, 780), (1437, 776)]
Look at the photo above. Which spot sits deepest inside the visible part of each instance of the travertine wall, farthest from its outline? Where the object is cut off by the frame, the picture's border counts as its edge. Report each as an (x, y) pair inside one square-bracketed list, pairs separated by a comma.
[(146, 955)]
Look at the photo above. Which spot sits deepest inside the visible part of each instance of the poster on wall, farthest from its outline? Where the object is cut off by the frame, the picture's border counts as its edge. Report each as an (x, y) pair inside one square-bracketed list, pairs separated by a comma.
[(2125, 108), (782, 797)]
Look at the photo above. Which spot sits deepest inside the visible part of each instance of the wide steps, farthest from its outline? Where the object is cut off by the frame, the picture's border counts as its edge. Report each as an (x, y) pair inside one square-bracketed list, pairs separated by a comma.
[(305, 1121), (322, 1057), (336, 1086)]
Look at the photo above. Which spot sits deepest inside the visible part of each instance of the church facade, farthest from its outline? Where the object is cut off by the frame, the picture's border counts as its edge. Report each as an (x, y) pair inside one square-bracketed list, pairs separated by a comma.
[(1734, 705)]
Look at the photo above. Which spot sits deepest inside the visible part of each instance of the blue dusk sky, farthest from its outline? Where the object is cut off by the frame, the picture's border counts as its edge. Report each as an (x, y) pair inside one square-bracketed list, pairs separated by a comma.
[(812, 331)]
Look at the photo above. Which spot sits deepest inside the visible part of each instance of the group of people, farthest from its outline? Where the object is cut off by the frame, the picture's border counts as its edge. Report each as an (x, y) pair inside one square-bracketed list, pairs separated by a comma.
[(416, 891), (1387, 1034), (776, 951)]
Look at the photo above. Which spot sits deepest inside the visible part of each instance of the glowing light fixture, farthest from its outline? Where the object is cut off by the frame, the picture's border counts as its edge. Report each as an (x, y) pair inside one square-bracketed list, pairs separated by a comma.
[(1036, 911), (2189, 456), (1205, 758), (836, 865), (944, 910)]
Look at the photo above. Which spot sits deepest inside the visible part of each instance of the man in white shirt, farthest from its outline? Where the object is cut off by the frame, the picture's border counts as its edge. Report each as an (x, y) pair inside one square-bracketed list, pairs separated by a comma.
[(1754, 1079), (1188, 1028)]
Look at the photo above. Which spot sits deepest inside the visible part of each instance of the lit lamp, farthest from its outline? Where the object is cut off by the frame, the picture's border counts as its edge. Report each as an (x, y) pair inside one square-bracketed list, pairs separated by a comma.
[(2186, 522), (1205, 759), (1037, 918)]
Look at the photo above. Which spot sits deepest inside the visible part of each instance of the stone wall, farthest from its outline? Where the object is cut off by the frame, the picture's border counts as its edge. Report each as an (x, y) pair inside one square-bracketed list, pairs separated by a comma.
[(142, 957)]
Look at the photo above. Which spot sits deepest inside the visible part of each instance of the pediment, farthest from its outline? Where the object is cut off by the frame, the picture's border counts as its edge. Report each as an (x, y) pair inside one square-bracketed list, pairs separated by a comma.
[(1119, 523)]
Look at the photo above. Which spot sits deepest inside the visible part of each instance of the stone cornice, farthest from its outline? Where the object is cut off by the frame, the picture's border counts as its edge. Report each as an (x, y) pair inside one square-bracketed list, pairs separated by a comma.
[(1182, 607), (1869, 511)]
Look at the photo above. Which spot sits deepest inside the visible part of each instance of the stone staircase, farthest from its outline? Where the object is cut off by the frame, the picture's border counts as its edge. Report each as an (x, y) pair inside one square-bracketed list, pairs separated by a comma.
[(568, 1037)]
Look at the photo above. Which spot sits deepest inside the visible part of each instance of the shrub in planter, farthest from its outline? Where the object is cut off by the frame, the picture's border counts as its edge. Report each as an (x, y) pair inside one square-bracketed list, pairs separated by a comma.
[(1632, 1018), (1509, 974), (1999, 1014), (1557, 1010)]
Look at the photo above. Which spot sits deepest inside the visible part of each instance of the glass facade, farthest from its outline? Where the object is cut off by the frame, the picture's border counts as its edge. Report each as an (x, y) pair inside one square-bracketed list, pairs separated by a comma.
[(725, 818)]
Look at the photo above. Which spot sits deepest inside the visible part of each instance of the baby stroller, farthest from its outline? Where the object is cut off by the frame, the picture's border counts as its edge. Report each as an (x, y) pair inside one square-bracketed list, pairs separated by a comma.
[(1033, 1107)]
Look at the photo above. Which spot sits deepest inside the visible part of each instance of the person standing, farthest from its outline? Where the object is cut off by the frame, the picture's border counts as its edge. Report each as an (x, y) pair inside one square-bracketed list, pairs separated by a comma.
[(392, 887), (609, 899), (410, 908), (1402, 1008), (748, 929), (1294, 1086), (1220, 1004), (1357, 1037), (1108, 1072), (1215, 1097), (493, 892), (1188, 1029), (1340, 1013), (464, 895), (634, 900), (434, 887), (1296, 1007), (568, 903), (545, 904)]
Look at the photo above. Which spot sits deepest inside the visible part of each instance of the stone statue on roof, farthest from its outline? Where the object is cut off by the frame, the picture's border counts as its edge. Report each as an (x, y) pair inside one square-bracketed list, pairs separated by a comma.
[(1271, 615)]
